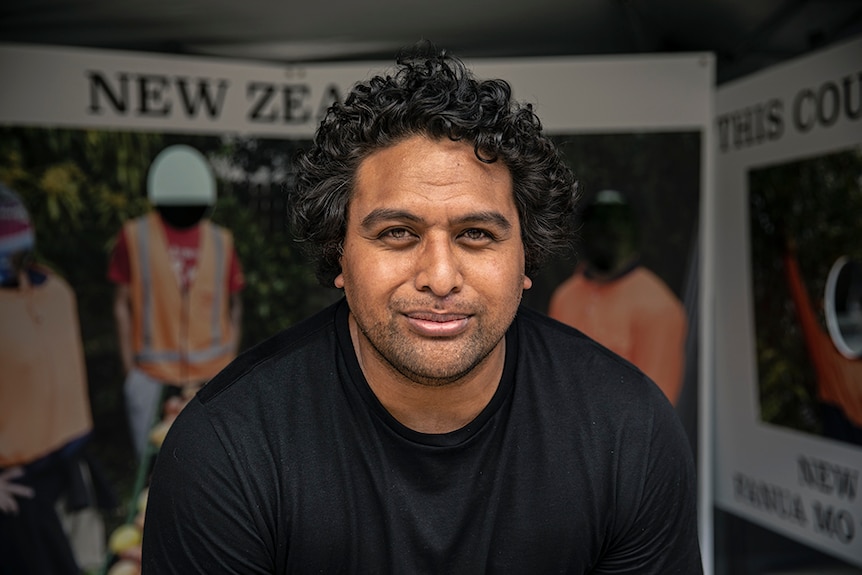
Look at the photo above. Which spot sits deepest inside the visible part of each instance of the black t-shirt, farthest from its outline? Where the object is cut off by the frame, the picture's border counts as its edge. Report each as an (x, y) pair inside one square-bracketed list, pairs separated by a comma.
[(287, 463)]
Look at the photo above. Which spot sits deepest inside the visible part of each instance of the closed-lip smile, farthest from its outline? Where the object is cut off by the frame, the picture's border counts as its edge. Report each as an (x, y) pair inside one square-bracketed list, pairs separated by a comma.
[(435, 324)]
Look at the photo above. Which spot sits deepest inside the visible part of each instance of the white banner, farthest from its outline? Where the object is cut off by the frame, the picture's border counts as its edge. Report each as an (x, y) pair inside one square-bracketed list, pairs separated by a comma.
[(77, 88), (70, 87), (788, 205)]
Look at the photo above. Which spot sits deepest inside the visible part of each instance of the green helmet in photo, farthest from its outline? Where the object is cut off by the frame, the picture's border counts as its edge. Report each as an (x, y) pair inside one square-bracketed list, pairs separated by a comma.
[(181, 176)]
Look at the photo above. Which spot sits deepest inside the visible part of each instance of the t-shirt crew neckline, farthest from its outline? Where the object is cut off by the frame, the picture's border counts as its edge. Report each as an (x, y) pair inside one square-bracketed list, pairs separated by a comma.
[(450, 439)]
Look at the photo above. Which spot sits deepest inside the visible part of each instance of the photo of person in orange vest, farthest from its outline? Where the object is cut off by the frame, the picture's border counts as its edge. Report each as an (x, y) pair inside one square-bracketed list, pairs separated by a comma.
[(620, 303), (178, 280), (45, 417), (837, 360)]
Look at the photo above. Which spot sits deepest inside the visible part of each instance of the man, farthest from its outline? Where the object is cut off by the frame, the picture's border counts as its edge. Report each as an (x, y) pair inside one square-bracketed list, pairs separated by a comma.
[(613, 298), (45, 418), (426, 423), (177, 305)]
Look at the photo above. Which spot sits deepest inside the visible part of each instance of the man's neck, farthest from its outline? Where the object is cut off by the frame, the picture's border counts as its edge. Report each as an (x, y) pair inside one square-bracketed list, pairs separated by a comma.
[(429, 408)]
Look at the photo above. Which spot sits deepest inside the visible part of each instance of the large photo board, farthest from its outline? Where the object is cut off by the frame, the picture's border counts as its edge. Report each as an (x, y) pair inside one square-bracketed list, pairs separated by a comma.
[(93, 120), (788, 360)]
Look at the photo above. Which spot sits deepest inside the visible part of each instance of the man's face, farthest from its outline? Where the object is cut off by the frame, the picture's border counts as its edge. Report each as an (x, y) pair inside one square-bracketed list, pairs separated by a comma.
[(433, 262)]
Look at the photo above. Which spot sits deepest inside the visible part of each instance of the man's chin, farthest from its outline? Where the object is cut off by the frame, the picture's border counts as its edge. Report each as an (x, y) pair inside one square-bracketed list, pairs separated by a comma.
[(439, 372)]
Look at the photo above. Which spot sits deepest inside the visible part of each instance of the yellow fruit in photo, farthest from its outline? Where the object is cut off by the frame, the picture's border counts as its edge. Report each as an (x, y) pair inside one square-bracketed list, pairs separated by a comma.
[(124, 537)]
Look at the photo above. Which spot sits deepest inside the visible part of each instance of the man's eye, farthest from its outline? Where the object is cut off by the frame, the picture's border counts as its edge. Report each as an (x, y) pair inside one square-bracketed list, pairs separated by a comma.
[(396, 234), (474, 234)]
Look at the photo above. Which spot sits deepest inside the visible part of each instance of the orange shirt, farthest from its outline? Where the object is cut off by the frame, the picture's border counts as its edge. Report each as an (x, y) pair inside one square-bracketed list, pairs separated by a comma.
[(839, 379), (636, 316), (44, 403)]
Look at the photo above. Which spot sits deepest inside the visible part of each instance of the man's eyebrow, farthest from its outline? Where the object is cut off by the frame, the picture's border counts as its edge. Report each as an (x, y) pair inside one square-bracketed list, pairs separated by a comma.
[(378, 215), (488, 217)]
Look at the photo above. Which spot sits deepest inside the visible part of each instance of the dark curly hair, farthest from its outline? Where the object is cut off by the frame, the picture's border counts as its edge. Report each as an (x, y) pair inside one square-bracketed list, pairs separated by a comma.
[(435, 95)]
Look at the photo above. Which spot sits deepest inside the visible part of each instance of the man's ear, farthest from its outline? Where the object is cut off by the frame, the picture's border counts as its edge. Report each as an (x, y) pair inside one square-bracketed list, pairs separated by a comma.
[(339, 281), (528, 283)]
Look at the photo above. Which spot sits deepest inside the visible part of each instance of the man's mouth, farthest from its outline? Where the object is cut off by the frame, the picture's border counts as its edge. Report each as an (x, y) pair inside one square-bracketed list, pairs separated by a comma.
[(432, 324)]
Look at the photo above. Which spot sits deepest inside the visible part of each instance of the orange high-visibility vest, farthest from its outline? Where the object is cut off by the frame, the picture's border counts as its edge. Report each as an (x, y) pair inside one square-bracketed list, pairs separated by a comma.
[(637, 316), (179, 336), (44, 402)]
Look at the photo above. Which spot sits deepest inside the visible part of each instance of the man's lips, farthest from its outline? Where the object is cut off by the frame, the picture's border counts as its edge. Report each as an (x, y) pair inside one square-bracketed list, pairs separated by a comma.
[(433, 324)]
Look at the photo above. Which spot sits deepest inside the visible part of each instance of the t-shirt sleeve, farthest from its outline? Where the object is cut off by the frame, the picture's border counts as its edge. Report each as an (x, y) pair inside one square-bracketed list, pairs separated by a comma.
[(119, 268), (198, 517), (658, 532)]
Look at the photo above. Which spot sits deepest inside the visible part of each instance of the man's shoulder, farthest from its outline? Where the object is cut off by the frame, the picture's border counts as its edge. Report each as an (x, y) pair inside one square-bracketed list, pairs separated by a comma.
[(289, 349)]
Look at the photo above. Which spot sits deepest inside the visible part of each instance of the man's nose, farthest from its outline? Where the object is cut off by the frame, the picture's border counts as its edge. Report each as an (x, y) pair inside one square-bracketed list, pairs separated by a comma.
[(438, 266)]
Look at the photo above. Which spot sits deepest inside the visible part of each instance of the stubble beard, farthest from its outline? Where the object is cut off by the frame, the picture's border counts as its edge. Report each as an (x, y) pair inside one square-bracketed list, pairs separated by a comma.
[(433, 363)]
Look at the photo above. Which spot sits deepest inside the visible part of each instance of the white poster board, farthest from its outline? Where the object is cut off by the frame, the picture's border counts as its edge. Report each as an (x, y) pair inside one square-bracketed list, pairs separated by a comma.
[(72, 87), (788, 190), (65, 88)]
